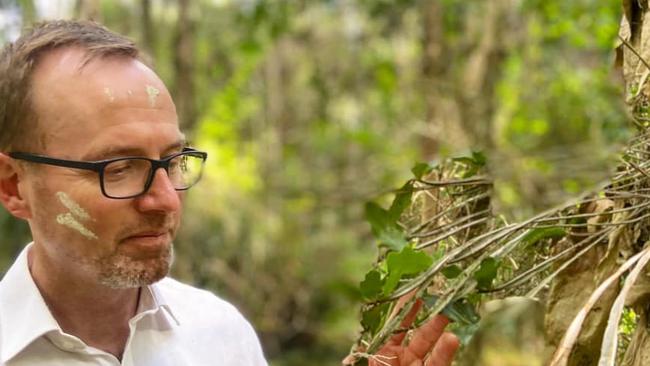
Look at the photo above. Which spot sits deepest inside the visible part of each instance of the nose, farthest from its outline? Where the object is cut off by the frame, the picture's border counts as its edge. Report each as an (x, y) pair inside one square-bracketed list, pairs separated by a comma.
[(161, 195)]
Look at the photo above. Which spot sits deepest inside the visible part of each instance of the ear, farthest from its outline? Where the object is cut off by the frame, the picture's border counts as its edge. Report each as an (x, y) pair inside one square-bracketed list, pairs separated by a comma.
[(10, 196)]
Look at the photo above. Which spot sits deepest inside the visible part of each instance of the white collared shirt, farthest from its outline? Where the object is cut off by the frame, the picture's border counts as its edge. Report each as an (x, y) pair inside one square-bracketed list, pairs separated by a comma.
[(175, 325)]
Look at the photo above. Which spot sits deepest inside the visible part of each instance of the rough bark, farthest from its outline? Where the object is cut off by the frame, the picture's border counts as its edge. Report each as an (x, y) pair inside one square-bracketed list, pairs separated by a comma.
[(635, 31), (571, 288), (569, 292)]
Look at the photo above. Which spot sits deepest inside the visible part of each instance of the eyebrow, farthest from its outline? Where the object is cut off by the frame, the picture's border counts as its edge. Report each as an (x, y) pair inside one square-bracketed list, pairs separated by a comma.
[(117, 151)]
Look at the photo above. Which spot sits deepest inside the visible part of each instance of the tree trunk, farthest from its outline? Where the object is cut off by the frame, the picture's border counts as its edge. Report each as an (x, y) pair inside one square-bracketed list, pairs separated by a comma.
[(183, 59), (632, 57), (459, 110), (432, 44), (89, 10), (148, 37), (28, 11)]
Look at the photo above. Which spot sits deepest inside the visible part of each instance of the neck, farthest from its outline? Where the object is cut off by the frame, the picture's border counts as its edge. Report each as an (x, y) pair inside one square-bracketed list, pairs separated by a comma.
[(96, 314)]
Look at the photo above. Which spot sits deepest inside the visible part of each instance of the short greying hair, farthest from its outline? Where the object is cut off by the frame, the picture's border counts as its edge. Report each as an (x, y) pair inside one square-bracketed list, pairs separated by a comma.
[(18, 120)]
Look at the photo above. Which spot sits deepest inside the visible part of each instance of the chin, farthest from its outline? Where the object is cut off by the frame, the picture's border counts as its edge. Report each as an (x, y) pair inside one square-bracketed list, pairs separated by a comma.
[(121, 272)]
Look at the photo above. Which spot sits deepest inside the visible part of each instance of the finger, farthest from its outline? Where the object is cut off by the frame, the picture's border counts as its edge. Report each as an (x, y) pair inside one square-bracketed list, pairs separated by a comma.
[(406, 322), (385, 357), (427, 335), (444, 350)]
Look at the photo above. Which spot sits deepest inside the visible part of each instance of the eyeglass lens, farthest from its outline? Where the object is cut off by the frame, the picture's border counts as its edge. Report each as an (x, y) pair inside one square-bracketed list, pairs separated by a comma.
[(128, 177)]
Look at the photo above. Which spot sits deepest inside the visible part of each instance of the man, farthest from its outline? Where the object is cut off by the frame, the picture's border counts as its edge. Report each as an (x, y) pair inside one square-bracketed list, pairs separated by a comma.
[(93, 159)]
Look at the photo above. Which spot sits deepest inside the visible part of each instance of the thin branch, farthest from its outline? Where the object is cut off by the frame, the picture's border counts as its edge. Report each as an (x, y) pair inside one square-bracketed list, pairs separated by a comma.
[(631, 48)]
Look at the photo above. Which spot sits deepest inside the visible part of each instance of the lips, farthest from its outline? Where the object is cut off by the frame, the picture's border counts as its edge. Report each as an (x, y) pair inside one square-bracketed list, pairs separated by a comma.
[(148, 234), (146, 241)]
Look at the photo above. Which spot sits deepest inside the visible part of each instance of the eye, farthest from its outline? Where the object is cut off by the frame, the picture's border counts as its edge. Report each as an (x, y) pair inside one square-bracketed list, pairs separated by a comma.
[(118, 169)]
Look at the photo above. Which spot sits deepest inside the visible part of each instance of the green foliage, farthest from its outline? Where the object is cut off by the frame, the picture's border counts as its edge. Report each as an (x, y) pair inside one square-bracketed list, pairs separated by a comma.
[(404, 263), (384, 227), (374, 318), (371, 287), (486, 273), (452, 271), (462, 314), (473, 163), (421, 169), (401, 202), (536, 235), (309, 108), (628, 322)]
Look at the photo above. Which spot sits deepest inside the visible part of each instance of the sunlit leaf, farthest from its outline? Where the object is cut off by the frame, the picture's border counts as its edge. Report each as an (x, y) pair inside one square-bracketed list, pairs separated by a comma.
[(406, 262)]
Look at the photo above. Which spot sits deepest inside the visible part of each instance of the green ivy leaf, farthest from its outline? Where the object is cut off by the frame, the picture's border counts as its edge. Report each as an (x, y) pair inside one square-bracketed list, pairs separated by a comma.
[(479, 158), (384, 227), (464, 332), (376, 216), (401, 202), (538, 234), (421, 169), (393, 239), (578, 221), (486, 273), (465, 319), (451, 271), (406, 262), (373, 318), (371, 285), (473, 163), (459, 311), (462, 312)]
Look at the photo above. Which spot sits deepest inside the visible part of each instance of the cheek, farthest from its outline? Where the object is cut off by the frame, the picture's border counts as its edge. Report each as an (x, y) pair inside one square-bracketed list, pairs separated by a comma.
[(75, 217)]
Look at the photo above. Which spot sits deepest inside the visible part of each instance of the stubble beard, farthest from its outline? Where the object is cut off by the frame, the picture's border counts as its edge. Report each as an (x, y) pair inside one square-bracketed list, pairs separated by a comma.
[(120, 271)]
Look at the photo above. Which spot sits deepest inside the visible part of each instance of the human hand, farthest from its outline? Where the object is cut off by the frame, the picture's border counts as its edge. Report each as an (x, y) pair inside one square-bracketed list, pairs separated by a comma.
[(429, 339)]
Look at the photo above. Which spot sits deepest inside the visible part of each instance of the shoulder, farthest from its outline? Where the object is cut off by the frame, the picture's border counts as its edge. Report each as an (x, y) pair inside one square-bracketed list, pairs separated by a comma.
[(208, 320), (194, 304)]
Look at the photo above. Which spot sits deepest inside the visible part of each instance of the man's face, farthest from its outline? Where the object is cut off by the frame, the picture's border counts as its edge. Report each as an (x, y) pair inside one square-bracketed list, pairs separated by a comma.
[(112, 107)]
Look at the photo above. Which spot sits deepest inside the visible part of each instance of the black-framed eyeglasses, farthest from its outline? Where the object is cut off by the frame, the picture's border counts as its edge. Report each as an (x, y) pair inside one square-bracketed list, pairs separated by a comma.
[(129, 177)]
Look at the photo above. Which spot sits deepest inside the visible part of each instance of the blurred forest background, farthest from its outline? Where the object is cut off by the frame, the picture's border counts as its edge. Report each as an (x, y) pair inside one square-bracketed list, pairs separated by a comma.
[(309, 108)]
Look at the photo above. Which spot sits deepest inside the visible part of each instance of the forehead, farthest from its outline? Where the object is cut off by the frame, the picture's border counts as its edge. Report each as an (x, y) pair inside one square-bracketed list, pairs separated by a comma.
[(116, 95)]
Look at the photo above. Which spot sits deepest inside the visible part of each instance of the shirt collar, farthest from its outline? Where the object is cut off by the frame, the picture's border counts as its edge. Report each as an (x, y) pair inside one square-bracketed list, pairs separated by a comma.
[(26, 317), (24, 314), (151, 301)]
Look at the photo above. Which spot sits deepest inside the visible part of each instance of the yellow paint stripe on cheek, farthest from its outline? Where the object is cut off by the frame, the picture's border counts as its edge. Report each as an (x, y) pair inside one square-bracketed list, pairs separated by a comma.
[(69, 221), (73, 206)]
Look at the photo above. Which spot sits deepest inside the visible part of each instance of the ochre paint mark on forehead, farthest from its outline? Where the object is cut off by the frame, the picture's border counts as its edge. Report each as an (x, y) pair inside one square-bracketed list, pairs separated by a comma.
[(69, 219), (153, 93), (109, 94)]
